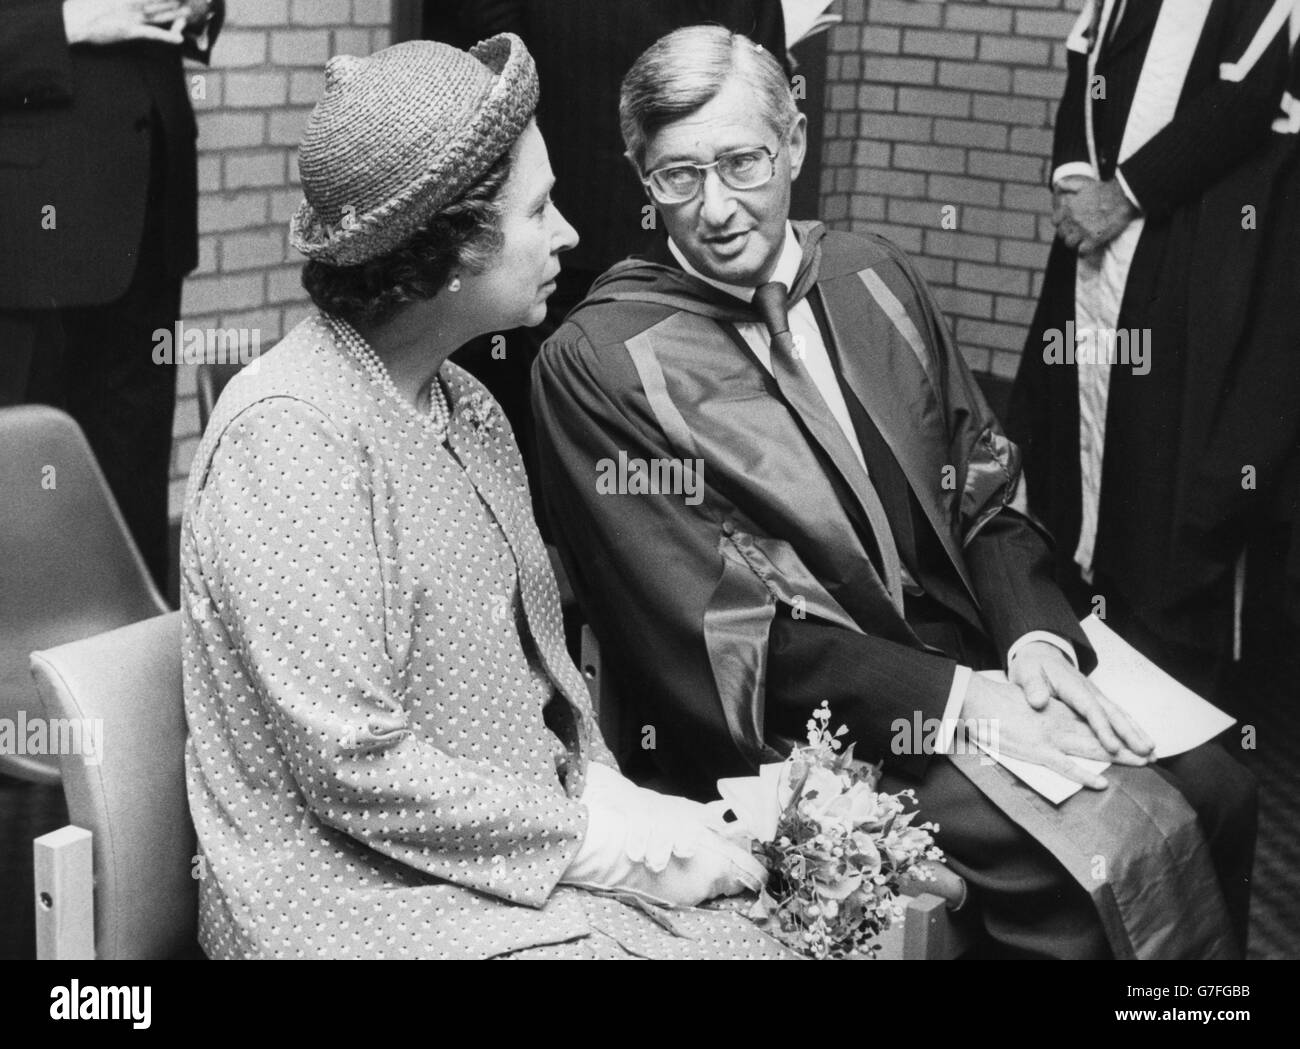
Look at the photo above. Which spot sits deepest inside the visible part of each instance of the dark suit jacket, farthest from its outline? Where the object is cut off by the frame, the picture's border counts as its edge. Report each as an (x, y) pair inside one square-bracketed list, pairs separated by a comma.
[(724, 623), (583, 48), (77, 131)]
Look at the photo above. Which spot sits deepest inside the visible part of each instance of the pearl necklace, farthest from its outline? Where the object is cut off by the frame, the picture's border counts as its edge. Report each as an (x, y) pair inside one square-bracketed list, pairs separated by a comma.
[(439, 415)]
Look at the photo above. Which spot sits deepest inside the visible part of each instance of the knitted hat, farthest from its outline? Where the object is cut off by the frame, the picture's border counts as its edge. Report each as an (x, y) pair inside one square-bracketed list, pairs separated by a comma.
[(400, 135)]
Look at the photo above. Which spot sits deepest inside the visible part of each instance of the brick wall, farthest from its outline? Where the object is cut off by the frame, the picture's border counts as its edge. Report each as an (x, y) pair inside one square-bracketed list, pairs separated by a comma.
[(931, 104), (251, 104)]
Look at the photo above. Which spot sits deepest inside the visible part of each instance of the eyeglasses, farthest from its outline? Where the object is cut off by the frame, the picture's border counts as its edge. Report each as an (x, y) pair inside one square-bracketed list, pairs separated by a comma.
[(739, 169)]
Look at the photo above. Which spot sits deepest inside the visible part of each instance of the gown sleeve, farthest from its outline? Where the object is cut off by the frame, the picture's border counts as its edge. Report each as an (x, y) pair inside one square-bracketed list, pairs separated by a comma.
[(1222, 125)]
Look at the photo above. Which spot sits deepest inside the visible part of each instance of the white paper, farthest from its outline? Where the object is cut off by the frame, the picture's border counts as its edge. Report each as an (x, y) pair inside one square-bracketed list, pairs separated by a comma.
[(1048, 782), (756, 800), (805, 18), (1175, 718)]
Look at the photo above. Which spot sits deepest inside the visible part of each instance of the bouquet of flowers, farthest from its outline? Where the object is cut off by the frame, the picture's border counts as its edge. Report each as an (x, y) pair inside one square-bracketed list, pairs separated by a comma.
[(837, 851)]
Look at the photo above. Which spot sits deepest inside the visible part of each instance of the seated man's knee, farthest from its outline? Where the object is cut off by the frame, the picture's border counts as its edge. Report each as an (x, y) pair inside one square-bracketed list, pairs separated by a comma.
[(1223, 792)]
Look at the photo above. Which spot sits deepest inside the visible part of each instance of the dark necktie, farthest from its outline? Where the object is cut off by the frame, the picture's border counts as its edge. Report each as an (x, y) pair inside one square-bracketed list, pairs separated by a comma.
[(770, 301)]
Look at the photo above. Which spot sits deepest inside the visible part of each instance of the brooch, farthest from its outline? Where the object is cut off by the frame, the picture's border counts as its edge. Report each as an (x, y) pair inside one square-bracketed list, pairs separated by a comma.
[(482, 413)]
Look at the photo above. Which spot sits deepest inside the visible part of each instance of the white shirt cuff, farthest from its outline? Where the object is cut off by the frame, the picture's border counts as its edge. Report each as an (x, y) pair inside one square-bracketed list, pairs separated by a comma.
[(952, 710), (1075, 167), (1050, 638), (1119, 177)]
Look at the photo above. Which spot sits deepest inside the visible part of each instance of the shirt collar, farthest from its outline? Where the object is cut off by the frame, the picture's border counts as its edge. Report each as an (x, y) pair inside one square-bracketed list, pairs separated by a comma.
[(787, 267)]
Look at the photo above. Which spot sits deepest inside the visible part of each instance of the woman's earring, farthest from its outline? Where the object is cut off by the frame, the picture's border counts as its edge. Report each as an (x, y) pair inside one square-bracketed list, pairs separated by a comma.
[(454, 285)]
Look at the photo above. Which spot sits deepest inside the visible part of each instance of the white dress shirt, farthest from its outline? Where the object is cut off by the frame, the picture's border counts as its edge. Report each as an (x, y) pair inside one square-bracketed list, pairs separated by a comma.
[(811, 351)]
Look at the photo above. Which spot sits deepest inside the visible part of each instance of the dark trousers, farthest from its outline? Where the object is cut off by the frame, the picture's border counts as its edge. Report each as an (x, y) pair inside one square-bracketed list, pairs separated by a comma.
[(96, 363), (1028, 905)]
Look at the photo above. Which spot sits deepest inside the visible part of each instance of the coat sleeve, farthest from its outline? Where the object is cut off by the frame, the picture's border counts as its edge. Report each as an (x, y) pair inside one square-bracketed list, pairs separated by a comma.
[(650, 570), (35, 66), (1225, 122), (1008, 552), (1070, 140), (294, 573)]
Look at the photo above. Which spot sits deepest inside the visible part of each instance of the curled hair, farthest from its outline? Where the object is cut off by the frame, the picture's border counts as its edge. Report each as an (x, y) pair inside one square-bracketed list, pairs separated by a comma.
[(466, 233), (683, 71)]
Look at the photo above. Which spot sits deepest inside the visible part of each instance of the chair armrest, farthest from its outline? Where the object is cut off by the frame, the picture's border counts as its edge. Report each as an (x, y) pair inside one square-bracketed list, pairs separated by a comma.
[(65, 895), (926, 932), (925, 928)]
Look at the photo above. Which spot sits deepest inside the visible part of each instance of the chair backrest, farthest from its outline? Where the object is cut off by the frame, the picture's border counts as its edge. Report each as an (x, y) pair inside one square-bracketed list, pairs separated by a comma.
[(68, 565), (210, 379), (133, 798)]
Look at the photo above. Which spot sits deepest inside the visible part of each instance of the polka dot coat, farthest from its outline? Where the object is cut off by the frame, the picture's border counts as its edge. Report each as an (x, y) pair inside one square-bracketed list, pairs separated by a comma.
[(387, 736)]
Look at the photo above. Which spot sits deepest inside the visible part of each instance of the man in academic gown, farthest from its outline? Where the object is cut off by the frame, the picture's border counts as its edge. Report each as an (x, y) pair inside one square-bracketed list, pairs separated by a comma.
[(774, 482), (1161, 168)]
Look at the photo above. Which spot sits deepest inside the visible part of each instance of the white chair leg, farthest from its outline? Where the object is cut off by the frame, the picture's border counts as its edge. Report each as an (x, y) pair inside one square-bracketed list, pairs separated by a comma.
[(65, 895)]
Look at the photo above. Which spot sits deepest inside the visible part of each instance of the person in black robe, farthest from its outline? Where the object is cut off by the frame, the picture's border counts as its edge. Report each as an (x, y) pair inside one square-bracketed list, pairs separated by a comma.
[(1167, 103)]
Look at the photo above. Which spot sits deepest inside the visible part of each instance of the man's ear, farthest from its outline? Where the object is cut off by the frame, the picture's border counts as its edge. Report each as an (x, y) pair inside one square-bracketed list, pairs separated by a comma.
[(798, 138), (636, 170)]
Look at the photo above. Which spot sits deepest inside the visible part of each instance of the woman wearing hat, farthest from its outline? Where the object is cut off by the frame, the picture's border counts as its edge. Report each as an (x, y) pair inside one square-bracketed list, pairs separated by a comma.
[(391, 753)]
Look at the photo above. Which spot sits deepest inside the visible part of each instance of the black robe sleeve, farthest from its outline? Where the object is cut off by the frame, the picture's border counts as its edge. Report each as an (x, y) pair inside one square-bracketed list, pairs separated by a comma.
[(1007, 551), (1070, 140), (1217, 129), (1011, 564)]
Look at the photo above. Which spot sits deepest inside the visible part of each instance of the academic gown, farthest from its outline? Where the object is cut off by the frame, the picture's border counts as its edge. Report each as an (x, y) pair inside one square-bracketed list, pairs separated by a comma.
[(1257, 422), (728, 612), (1190, 91)]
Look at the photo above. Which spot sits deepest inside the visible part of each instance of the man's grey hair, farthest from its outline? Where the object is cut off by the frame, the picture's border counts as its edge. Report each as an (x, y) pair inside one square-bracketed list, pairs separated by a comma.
[(683, 71)]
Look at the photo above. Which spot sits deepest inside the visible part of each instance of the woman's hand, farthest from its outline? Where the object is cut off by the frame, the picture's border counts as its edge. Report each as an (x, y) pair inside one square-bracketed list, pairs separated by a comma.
[(664, 849)]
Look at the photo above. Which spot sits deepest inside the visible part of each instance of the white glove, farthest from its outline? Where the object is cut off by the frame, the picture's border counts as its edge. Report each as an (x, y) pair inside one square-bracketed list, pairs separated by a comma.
[(666, 850), (654, 839)]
